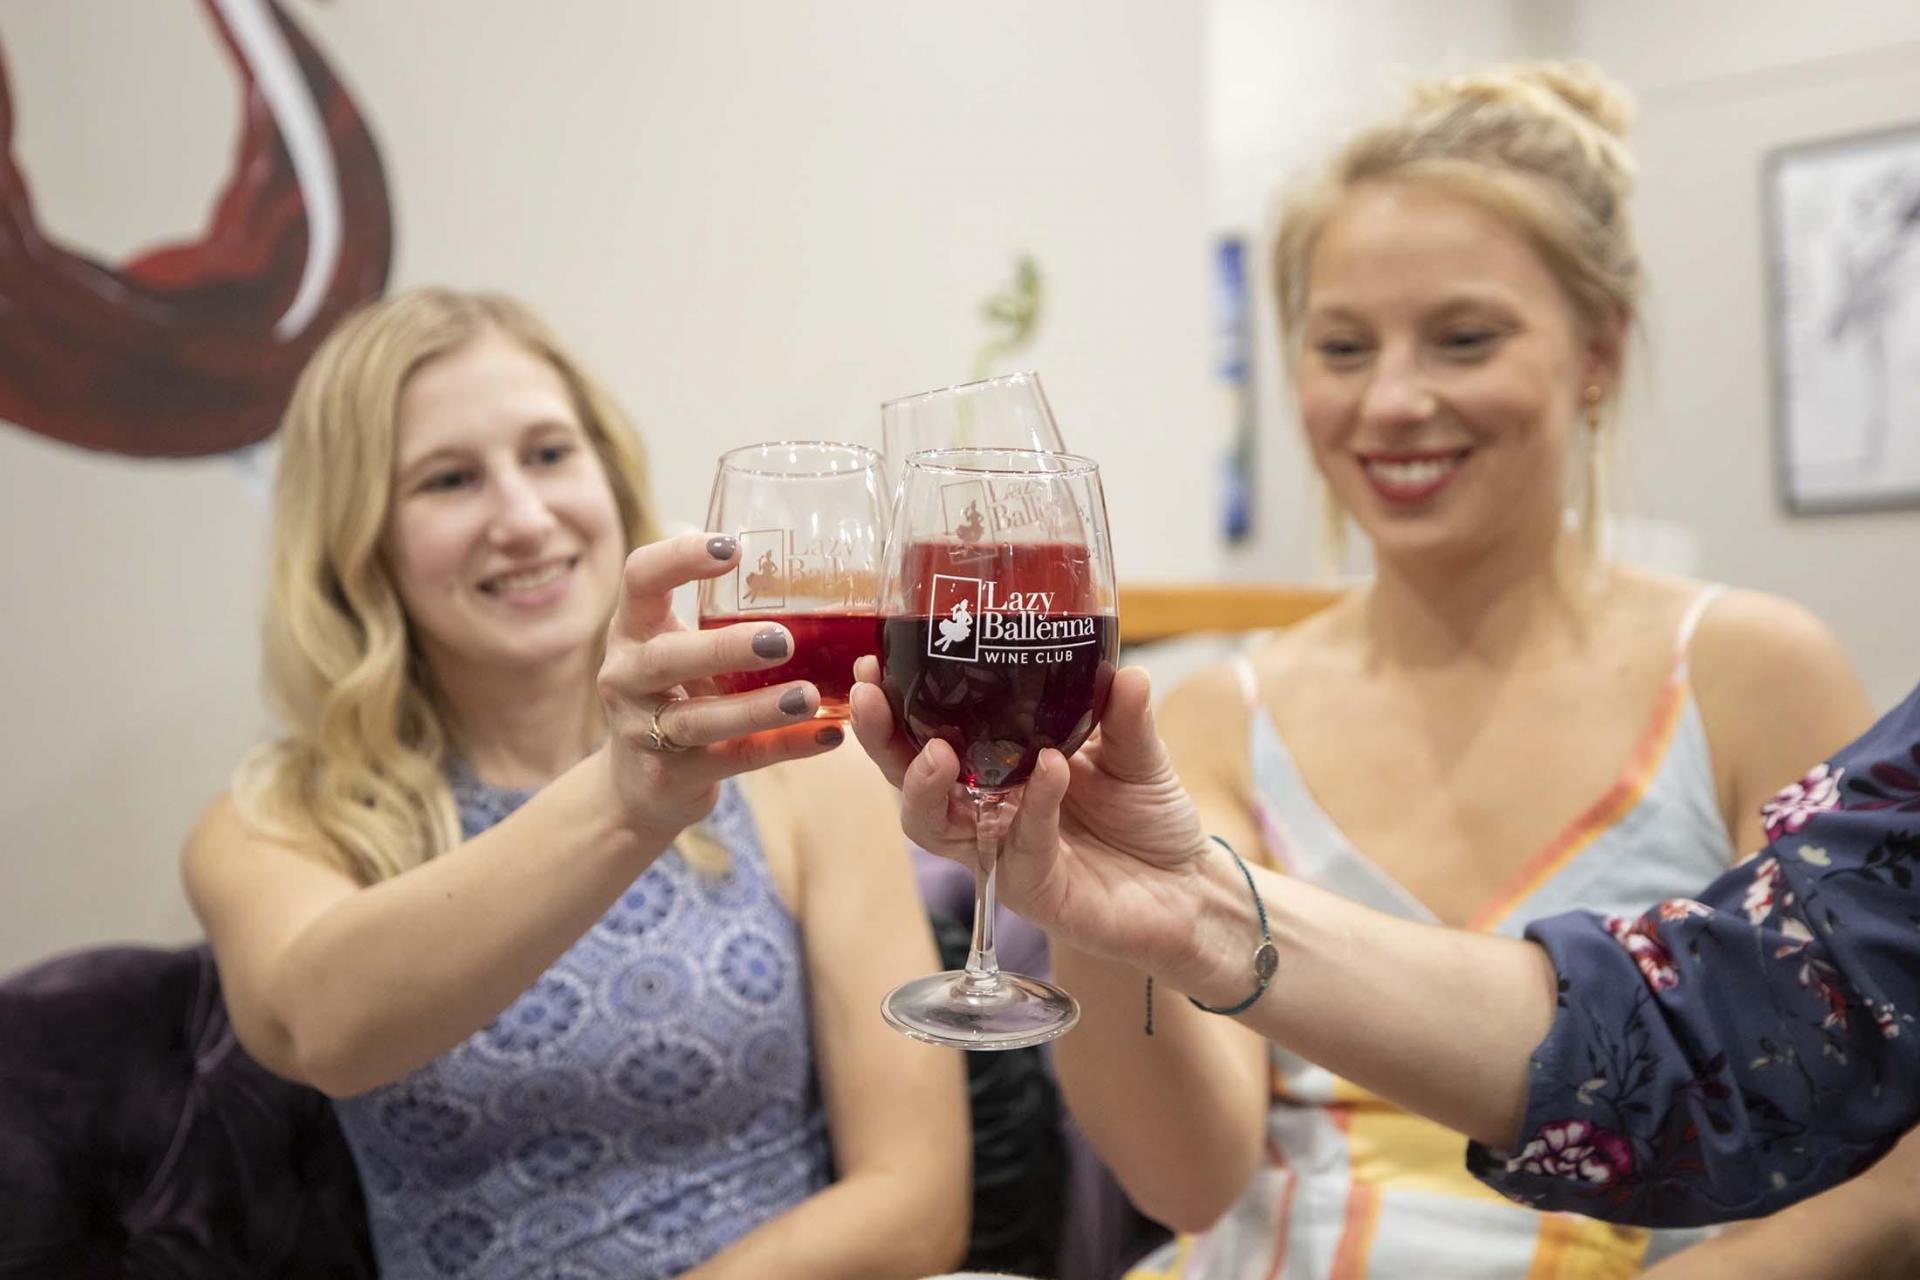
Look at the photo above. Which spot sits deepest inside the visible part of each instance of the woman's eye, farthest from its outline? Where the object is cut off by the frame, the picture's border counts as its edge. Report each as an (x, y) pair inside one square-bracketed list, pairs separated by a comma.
[(1468, 341), (445, 481), (548, 455), (1340, 350)]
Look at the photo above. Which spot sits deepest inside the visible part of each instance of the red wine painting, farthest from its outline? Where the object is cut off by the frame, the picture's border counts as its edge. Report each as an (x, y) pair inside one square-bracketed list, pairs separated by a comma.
[(825, 646), (1010, 651)]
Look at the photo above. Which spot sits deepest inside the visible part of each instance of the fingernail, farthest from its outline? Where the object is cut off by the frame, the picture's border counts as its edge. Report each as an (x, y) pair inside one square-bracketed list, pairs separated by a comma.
[(771, 643), (831, 736), (794, 701), (722, 547)]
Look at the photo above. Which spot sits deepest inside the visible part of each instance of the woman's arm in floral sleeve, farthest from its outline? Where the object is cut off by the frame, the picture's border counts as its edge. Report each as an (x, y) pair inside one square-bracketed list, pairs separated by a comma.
[(1725, 1056)]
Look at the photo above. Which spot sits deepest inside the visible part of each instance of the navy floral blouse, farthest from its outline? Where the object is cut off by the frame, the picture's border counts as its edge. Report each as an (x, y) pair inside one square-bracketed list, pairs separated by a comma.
[(1723, 1056)]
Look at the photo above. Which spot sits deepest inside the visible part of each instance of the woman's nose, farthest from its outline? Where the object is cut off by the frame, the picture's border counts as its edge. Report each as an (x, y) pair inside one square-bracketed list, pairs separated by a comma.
[(1398, 393), (521, 510)]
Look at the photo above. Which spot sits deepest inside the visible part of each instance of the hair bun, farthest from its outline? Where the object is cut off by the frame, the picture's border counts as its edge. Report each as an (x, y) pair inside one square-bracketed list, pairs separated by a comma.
[(1582, 86), (1579, 87)]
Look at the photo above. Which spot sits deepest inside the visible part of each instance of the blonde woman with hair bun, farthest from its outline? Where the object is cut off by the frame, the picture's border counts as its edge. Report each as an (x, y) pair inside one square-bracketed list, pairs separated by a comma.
[(586, 953), (1499, 725)]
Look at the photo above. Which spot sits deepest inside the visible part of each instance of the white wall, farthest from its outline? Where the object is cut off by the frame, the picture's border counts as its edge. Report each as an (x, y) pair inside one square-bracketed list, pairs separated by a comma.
[(1719, 83), (756, 219)]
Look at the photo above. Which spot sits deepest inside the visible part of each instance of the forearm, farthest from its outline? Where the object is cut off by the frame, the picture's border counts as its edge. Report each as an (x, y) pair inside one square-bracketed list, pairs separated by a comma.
[(880, 1225), (1178, 1115), (390, 977), (1439, 1021), (1855, 1230)]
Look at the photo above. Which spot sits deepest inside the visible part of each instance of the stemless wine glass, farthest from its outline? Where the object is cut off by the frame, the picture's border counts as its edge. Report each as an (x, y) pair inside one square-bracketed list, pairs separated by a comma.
[(808, 517), (997, 635), (1008, 412)]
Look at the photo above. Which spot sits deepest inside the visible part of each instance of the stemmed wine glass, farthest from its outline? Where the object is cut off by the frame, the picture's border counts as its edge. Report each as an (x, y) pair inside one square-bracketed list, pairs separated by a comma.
[(997, 635), (1007, 412), (809, 520)]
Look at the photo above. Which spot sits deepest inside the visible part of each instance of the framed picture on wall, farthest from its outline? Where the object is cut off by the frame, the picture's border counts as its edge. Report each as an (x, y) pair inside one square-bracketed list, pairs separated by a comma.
[(1843, 249)]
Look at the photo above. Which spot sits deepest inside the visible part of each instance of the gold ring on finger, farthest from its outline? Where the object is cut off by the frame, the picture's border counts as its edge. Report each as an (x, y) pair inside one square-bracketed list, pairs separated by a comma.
[(657, 738)]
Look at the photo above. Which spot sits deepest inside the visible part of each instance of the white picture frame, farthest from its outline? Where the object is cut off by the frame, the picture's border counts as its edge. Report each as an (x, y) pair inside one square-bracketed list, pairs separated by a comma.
[(1843, 252)]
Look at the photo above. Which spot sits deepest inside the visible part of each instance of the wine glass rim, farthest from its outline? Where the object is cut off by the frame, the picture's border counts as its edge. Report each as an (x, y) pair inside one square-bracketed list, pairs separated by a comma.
[(1023, 375), (954, 462), (736, 460)]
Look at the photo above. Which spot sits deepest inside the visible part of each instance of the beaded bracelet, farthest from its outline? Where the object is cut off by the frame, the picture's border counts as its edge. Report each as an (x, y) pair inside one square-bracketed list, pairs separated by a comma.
[(1266, 957)]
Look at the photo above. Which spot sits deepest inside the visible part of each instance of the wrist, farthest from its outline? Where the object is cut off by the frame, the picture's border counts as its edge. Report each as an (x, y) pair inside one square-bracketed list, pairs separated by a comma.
[(1219, 969), (610, 818)]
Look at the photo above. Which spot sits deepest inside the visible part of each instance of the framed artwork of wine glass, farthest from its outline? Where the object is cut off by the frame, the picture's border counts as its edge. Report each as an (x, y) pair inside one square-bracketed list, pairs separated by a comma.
[(1843, 250)]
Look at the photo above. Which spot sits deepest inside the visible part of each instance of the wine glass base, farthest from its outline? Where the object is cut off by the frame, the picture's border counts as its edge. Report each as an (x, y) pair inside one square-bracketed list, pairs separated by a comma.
[(958, 1012)]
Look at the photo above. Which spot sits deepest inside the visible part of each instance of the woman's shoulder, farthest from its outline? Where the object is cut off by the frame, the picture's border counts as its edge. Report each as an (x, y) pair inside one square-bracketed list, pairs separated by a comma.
[(218, 828), (1775, 688), (1740, 637), (1731, 623), (226, 834), (231, 864), (1204, 717)]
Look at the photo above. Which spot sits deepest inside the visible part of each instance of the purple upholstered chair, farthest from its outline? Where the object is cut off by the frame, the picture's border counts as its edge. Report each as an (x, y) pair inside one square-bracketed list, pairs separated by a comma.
[(139, 1141)]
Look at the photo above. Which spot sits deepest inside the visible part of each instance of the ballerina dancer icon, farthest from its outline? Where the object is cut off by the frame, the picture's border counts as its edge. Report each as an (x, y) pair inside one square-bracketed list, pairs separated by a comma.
[(955, 627)]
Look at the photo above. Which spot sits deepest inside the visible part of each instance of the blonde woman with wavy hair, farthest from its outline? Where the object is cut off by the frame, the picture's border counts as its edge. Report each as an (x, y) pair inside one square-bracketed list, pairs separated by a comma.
[(592, 987), (1499, 725), (363, 757)]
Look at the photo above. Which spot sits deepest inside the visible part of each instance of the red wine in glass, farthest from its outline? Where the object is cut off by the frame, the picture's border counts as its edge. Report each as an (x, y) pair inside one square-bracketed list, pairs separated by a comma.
[(825, 646), (997, 636), (808, 520), (1010, 665)]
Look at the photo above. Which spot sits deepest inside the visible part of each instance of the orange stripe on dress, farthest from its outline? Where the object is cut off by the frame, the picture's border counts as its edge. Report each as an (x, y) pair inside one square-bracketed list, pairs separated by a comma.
[(1356, 1234), (1619, 801), (1282, 1220), (1575, 1248), (1556, 1234), (1362, 1215)]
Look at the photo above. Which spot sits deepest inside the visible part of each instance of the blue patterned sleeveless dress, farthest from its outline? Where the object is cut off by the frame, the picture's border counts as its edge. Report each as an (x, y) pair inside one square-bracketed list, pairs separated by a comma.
[(649, 1100)]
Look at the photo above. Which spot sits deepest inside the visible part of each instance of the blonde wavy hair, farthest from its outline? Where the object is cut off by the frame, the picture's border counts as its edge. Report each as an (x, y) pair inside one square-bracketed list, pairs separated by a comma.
[(359, 772), (1540, 146)]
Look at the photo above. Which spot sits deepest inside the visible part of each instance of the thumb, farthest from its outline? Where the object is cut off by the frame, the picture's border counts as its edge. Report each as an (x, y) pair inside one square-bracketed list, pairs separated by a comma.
[(1036, 825), (1130, 749)]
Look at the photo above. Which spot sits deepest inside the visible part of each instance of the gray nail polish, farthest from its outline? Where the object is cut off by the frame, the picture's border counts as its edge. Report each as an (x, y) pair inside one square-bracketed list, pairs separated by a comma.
[(794, 701), (771, 643), (831, 736), (721, 547)]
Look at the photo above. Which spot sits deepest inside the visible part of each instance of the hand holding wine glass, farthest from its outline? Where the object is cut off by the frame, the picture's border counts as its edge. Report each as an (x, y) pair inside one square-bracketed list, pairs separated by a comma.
[(997, 636), (1107, 846)]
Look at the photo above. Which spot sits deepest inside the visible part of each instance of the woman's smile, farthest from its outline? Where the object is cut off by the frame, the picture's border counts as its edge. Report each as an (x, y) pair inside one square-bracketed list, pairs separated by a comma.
[(1405, 476)]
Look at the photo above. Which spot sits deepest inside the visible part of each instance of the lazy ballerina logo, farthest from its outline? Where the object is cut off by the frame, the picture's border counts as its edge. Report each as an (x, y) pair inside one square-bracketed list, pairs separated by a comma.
[(777, 569), (976, 508), (974, 622)]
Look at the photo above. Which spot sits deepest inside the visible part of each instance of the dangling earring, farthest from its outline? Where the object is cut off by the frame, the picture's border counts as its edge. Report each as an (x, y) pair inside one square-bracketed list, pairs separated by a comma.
[(1591, 536)]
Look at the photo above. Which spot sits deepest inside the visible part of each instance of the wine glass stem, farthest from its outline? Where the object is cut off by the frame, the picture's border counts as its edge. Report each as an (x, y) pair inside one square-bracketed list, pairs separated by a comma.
[(990, 826)]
